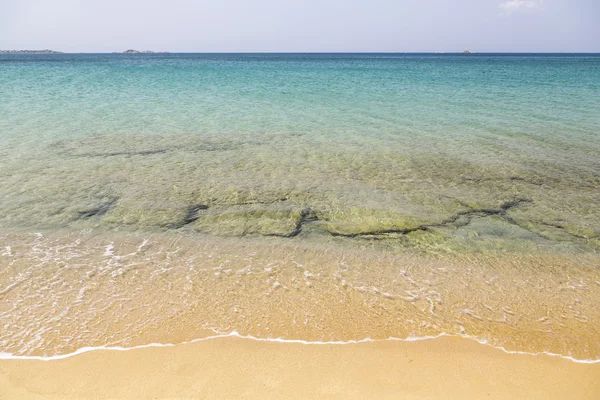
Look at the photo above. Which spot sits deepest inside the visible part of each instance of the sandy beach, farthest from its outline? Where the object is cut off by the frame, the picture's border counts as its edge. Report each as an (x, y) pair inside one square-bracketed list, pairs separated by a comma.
[(235, 368), (339, 198)]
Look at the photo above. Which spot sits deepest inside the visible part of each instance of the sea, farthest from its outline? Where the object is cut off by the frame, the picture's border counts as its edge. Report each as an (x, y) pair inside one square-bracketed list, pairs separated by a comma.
[(323, 198)]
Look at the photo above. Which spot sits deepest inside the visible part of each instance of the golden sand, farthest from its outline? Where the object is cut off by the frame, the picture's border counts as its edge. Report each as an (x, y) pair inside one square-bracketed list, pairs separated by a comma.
[(235, 368)]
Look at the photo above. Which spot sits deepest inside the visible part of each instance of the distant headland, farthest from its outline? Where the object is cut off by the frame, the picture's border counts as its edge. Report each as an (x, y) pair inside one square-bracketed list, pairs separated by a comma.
[(46, 51), (131, 51)]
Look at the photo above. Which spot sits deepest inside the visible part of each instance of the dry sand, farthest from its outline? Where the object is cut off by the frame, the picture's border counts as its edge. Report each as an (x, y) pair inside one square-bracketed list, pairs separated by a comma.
[(235, 368)]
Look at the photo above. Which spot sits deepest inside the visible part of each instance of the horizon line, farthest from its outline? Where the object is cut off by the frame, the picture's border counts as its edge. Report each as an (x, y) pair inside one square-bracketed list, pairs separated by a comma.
[(147, 52)]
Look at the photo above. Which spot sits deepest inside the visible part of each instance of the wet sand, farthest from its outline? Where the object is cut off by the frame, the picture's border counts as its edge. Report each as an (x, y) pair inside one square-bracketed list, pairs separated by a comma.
[(62, 292), (228, 368)]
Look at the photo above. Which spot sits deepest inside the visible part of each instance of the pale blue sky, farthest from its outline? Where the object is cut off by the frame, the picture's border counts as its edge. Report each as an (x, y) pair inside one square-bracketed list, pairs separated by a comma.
[(298, 26)]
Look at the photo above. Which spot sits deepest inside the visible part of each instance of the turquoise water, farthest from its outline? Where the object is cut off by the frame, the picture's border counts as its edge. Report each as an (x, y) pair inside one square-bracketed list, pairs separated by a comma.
[(450, 157), (348, 129)]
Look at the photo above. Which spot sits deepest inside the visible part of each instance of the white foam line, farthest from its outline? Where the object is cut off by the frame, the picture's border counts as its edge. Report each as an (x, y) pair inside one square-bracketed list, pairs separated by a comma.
[(8, 356), (542, 353)]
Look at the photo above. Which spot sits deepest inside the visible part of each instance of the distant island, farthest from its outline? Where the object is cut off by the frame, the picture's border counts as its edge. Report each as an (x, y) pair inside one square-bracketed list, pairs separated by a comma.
[(46, 51), (131, 51)]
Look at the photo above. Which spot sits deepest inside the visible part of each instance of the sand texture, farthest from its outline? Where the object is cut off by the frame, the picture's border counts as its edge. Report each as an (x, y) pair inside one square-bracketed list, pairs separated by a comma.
[(235, 368)]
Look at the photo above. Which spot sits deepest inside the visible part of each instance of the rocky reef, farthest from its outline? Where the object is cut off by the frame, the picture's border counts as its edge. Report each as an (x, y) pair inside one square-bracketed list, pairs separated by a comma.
[(292, 189)]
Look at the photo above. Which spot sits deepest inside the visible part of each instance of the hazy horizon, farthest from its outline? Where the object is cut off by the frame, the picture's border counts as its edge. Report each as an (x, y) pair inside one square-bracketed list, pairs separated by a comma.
[(307, 52), (327, 26)]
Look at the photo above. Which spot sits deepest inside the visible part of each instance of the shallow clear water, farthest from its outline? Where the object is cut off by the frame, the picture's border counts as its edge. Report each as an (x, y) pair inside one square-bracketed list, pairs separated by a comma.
[(427, 193)]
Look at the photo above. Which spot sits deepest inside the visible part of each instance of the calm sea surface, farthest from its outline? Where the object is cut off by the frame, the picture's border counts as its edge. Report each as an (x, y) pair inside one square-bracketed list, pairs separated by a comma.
[(321, 197)]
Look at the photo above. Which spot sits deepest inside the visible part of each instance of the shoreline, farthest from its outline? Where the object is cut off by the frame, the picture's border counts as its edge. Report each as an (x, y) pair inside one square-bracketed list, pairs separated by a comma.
[(234, 367), (88, 349), (120, 298)]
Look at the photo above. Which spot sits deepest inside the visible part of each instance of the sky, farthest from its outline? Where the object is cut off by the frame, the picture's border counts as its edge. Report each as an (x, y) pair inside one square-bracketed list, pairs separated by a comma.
[(301, 25)]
